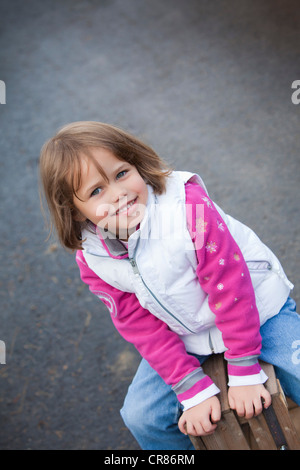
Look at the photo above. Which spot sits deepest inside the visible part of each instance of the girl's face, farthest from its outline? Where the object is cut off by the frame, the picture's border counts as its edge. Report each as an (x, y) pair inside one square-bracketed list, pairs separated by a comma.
[(118, 203)]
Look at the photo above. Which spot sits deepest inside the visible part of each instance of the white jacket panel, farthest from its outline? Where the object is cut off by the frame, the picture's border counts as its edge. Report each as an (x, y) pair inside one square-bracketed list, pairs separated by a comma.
[(161, 268)]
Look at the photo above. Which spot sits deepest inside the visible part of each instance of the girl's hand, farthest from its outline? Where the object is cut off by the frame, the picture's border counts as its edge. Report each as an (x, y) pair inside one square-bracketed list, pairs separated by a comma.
[(247, 400), (200, 419)]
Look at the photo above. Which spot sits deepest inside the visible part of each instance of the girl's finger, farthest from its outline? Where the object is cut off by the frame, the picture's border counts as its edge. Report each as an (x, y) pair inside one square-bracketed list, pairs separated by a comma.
[(182, 425), (249, 410), (240, 408), (258, 406), (216, 414), (191, 429), (266, 398)]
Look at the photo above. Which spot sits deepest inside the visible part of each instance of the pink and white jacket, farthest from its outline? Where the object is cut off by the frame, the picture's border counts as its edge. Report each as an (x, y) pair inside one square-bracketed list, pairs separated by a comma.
[(192, 280)]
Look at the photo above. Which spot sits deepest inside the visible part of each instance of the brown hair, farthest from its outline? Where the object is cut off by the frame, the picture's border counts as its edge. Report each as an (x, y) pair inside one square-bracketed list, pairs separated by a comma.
[(60, 165)]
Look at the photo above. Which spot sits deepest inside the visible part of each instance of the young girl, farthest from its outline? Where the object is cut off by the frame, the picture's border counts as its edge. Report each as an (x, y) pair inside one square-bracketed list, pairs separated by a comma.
[(181, 279)]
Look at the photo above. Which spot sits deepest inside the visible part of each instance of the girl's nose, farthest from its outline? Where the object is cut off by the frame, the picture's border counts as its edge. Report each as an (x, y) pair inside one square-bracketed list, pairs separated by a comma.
[(118, 193)]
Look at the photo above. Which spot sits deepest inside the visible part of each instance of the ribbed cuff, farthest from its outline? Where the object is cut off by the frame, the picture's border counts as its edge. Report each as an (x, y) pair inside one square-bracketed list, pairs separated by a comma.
[(245, 371), (194, 389)]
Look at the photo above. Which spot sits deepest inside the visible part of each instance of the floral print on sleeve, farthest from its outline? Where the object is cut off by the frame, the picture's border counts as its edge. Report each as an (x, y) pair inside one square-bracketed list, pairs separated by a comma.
[(224, 276)]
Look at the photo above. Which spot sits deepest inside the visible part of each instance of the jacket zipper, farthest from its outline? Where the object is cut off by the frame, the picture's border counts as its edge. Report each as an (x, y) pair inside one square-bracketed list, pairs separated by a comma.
[(136, 271), (210, 343)]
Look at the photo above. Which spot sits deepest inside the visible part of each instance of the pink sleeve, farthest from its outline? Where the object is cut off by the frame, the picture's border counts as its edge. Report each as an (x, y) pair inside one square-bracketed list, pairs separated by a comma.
[(161, 347), (224, 276)]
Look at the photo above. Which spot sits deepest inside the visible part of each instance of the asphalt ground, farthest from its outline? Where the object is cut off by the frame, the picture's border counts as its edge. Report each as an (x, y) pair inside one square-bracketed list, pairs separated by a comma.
[(208, 85)]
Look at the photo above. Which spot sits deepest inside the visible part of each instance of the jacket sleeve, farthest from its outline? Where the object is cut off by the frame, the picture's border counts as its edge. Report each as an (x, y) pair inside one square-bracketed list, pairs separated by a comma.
[(160, 346), (224, 276)]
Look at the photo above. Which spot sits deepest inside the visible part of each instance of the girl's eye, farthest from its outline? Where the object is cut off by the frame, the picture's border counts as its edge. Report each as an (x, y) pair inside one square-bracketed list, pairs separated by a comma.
[(122, 173), (96, 191)]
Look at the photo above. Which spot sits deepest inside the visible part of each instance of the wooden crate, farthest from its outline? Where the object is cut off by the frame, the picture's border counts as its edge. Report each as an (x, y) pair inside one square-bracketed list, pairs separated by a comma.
[(270, 430)]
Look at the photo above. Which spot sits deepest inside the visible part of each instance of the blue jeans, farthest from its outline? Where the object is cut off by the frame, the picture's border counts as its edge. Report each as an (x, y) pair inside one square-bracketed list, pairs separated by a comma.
[(151, 409)]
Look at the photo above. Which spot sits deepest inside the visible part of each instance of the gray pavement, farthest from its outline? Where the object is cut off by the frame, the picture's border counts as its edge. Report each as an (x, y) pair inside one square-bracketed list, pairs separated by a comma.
[(208, 85)]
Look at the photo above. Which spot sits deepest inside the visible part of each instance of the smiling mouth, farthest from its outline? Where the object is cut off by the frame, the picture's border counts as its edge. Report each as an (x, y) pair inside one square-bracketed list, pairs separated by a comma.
[(127, 207)]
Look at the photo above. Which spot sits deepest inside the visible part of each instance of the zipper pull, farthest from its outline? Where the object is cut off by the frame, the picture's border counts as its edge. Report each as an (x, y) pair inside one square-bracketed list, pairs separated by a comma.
[(134, 266)]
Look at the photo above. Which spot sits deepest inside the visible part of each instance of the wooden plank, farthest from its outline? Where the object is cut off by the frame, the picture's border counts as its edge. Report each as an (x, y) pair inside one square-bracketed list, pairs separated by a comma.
[(280, 406), (261, 433), (197, 442), (295, 417), (271, 384), (286, 424), (227, 436), (215, 367), (291, 404), (249, 436), (235, 433)]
